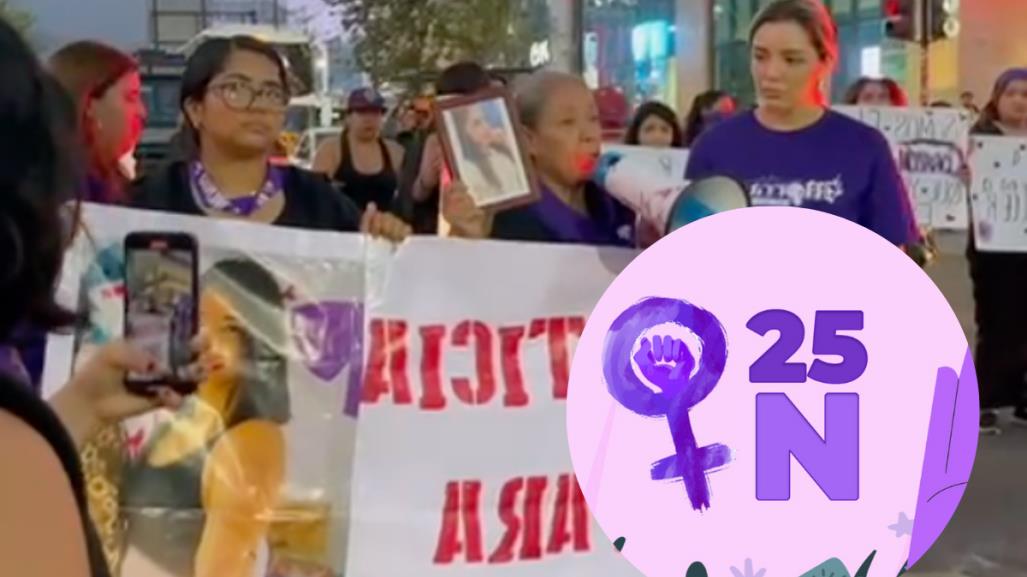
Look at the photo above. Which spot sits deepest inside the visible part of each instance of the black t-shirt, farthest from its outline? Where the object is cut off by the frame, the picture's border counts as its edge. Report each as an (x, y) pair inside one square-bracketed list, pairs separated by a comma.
[(17, 399), (311, 202)]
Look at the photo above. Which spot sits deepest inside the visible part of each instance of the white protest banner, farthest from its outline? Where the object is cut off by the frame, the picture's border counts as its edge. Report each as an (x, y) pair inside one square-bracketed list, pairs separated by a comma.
[(666, 163), (275, 421), (462, 465), (930, 145), (999, 193)]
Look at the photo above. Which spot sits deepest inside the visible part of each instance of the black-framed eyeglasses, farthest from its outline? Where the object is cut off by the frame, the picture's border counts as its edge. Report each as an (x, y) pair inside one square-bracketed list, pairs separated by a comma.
[(241, 96)]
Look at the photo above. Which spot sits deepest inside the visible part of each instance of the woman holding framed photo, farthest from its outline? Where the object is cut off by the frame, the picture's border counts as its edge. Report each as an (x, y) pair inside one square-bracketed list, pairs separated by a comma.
[(484, 151), (561, 136)]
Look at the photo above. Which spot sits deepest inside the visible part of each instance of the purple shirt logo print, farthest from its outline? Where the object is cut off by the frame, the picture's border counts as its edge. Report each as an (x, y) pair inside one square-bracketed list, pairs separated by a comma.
[(682, 382), (329, 338)]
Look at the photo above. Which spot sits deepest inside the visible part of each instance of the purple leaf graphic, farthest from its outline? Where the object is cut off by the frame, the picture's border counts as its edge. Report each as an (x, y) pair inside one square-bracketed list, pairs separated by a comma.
[(949, 458), (329, 338)]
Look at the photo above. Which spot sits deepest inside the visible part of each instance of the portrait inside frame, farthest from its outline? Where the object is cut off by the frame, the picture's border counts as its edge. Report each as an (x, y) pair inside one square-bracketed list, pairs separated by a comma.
[(481, 137)]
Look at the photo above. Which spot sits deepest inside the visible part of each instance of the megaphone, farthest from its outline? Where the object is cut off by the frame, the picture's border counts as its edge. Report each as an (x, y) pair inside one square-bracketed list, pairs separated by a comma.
[(664, 204)]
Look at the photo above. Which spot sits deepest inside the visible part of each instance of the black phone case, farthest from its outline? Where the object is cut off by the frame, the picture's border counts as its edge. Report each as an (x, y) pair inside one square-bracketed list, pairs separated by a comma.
[(177, 241)]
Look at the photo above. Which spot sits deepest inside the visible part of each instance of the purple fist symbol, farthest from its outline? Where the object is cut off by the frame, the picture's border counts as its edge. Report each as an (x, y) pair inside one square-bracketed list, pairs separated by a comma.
[(682, 380), (666, 363)]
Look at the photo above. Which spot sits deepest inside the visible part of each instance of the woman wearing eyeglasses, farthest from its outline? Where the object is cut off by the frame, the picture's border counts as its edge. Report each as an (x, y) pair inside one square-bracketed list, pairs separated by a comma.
[(234, 96), (218, 495)]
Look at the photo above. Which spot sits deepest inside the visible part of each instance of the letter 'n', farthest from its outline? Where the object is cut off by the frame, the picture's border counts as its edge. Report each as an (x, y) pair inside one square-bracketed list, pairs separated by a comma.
[(832, 461)]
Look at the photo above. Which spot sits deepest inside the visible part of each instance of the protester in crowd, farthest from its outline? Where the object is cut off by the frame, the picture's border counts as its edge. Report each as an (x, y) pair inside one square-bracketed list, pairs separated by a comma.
[(44, 493), (227, 441), (875, 92), (562, 129), (415, 121), (105, 86), (614, 110), (793, 150), (1000, 279), (655, 124), (419, 188), (361, 162), (234, 95), (708, 109), (968, 101)]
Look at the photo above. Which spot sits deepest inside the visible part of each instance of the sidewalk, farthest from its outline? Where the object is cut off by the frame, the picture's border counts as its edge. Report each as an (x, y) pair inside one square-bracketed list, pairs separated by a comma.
[(988, 535)]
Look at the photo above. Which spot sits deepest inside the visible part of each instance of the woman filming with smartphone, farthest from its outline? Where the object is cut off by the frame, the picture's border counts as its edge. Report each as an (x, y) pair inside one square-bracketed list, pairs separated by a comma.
[(46, 530)]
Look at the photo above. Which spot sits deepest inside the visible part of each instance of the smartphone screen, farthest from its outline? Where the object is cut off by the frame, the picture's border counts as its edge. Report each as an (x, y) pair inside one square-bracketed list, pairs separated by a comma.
[(161, 305)]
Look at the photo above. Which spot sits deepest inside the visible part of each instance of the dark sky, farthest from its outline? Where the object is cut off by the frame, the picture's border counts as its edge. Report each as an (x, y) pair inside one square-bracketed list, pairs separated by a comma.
[(122, 23)]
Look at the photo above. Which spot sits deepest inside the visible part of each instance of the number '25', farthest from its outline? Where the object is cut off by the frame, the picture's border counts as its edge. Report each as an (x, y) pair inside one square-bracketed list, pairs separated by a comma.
[(775, 365)]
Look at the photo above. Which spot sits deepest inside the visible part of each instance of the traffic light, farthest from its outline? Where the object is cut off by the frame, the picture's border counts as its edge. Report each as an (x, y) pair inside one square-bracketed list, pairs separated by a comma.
[(900, 19), (944, 19)]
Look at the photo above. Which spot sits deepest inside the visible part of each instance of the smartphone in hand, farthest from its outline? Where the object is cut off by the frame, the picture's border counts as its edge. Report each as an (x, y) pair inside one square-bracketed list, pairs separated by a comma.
[(161, 307)]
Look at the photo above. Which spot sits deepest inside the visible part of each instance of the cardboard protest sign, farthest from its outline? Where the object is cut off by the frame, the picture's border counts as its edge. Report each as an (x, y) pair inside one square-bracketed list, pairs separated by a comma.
[(930, 145), (999, 193), (462, 465), (666, 163), (276, 422)]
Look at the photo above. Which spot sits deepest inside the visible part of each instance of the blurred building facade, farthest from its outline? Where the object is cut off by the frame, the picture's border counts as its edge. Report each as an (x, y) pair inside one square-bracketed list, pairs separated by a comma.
[(671, 50)]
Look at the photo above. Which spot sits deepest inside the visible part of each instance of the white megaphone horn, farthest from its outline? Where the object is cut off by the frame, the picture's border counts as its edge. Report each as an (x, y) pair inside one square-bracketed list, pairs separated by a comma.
[(662, 203)]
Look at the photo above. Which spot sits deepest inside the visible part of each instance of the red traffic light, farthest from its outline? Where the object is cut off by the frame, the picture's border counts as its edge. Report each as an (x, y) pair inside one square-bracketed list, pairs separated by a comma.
[(899, 19)]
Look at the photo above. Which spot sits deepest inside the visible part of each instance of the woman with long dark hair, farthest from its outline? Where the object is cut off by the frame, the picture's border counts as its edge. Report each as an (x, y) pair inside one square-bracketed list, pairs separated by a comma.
[(234, 95), (227, 441), (793, 150), (1000, 279), (104, 85), (491, 166), (656, 125), (708, 109), (44, 495)]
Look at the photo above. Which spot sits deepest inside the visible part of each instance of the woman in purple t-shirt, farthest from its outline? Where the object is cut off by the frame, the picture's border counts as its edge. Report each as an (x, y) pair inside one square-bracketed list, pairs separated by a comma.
[(792, 150)]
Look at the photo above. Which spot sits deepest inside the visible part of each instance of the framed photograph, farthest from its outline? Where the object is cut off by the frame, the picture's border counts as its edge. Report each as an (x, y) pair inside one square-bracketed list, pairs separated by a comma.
[(484, 148)]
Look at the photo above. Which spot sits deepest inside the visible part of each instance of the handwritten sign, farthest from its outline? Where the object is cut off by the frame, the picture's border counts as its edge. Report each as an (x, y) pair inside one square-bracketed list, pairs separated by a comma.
[(462, 465), (930, 146), (664, 162), (999, 193)]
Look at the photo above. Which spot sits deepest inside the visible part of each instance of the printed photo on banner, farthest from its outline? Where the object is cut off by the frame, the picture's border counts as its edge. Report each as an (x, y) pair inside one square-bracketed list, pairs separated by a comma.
[(931, 147), (274, 419), (999, 193), (481, 138)]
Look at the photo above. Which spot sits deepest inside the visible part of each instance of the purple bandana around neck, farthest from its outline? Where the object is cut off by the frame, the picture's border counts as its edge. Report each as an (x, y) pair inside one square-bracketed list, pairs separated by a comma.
[(211, 198)]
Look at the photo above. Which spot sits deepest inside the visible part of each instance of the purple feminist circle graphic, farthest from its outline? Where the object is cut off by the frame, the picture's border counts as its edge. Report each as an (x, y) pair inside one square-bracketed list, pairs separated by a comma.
[(329, 338), (849, 449), (667, 364)]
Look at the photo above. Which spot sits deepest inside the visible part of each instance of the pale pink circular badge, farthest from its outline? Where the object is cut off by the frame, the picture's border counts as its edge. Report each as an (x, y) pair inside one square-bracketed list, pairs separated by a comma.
[(773, 392)]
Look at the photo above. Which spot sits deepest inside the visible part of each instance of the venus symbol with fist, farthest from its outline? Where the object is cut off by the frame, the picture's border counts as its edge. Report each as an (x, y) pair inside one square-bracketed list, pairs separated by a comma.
[(682, 382)]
